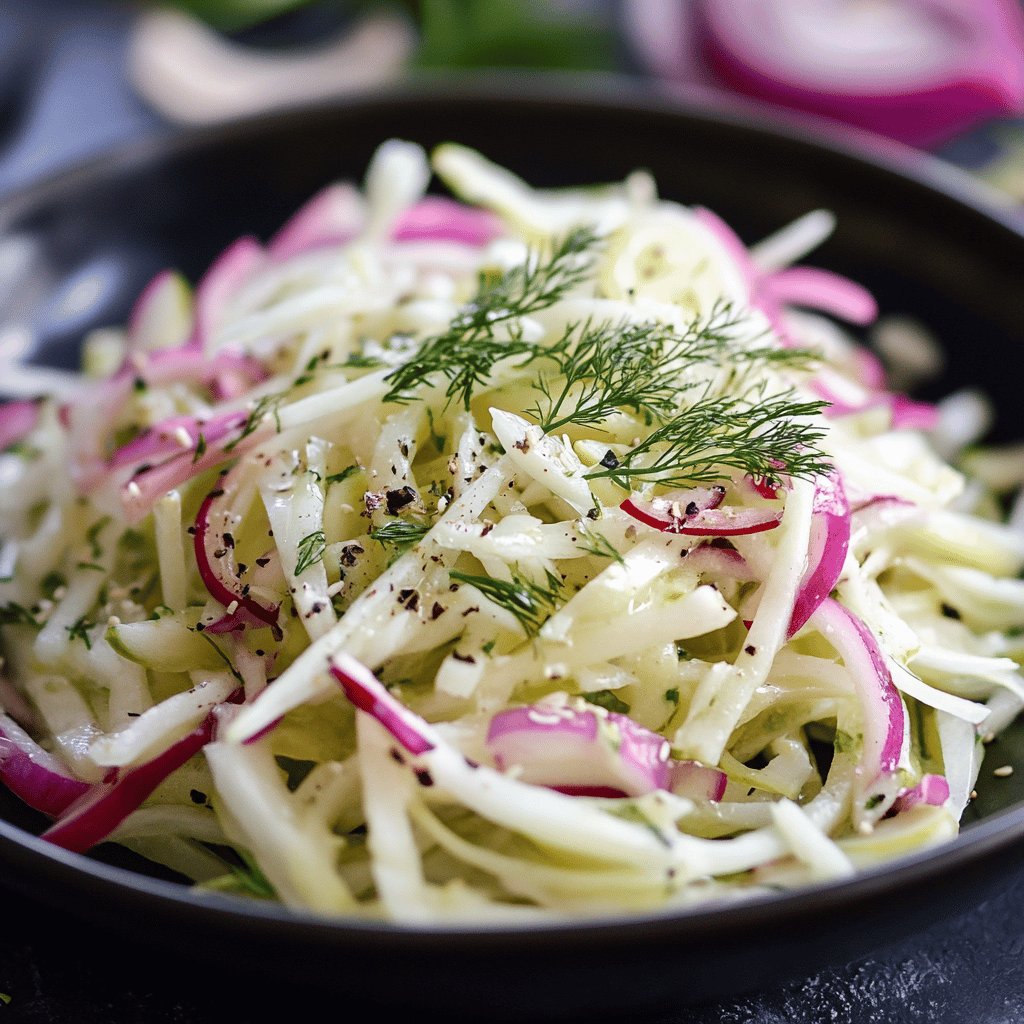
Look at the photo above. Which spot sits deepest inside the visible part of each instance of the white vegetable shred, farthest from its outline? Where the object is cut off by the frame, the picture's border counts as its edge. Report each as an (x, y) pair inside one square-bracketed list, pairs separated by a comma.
[(550, 556)]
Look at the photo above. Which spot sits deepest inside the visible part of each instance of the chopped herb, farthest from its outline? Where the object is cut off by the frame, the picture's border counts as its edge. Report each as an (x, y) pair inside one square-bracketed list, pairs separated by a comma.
[(24, 450), (531, 603), (466, 353), (199, 631), (247, 880), (672, 695), (608, 700), (488, 647), (401, 533), (873, 801), (752, 432), (14, 614), (311, 550), (438, 440), (631, 813), (90, 565), (595, 543), (92, 535), (268, 405), (52, 582), (359, 360), (200, 448), (337, 478), (79, 630)]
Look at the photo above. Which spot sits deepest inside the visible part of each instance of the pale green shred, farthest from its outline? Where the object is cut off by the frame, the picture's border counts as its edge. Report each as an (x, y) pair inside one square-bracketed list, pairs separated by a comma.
[(428, 481)]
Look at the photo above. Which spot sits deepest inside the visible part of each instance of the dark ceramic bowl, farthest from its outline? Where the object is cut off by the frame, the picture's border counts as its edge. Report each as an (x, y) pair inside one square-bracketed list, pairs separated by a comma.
[(916, 233)]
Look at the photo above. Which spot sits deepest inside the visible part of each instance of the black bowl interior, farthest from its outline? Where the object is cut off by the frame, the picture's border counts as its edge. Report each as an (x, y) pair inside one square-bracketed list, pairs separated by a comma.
[(912, 232)]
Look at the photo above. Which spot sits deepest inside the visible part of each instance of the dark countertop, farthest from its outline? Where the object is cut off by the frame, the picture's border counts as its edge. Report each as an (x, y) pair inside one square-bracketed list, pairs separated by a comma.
[(63, 97)]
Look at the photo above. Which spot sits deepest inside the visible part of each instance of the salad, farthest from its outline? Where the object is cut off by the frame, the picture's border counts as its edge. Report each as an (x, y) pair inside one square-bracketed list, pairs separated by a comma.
[(531, 555)]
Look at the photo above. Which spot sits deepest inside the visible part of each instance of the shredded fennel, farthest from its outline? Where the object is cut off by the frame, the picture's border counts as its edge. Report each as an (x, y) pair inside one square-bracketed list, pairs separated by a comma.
[(554, 474)]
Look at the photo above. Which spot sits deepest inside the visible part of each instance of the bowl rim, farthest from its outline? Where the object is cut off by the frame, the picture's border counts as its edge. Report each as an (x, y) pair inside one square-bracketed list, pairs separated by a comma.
[(702, 921)]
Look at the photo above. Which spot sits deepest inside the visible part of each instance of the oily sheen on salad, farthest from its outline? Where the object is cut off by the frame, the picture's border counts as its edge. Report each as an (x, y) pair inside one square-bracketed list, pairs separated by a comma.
[(527, 555)]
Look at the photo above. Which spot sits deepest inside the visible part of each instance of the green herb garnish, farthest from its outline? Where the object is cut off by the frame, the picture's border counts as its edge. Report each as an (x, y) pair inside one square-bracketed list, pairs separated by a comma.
[(608, 700), (401, 533), (310, 551), (752, 433), (530, 602), (466, 353)]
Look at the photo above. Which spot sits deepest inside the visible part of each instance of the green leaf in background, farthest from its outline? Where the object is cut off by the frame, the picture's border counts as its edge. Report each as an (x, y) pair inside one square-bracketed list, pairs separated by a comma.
[(454, 33), (509, 33)]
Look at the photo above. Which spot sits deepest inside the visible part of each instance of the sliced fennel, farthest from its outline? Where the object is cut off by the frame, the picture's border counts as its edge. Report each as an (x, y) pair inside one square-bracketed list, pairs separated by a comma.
[(500, 563)]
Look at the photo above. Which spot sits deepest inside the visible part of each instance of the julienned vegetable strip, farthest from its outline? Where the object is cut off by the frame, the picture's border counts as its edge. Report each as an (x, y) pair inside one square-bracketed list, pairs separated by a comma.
[(499, 562)]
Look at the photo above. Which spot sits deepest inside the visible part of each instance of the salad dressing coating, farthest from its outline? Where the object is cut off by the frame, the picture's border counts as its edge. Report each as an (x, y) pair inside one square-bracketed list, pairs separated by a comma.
[(531, 555)]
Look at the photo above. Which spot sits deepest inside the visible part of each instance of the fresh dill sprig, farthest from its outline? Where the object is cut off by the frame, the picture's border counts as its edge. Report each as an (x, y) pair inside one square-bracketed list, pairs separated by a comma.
[(400, 533), (758, 435), (268, 405), (530, 602), (466, 353), (603, 368), (310, 551), (595, 543)]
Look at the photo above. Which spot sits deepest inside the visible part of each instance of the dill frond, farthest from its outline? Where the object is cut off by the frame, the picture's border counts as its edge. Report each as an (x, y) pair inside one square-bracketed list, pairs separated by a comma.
[(758, 435), (530, 602), (466, 353)]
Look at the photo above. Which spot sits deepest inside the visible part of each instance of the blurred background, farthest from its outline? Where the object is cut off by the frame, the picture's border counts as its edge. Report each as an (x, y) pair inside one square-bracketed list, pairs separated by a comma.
[(78, 76)]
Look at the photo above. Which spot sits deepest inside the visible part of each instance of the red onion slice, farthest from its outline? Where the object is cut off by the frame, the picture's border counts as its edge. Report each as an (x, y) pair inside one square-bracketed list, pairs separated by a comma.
[(226, 275), (670, 511), (884, 717), (822, 290), (17, 420), (908, 414), (826, 554), (709, 521), (265, 577), (437, 219), (150, 481), (167, 295), (214, 546), (915, 71), (90, 419), (560, 746), (798, 286), (719, 563), (332, 217), (106, 805), (932, 790), (904, 413), (732, 522), (36, 777), (368, 694), (697, 781)]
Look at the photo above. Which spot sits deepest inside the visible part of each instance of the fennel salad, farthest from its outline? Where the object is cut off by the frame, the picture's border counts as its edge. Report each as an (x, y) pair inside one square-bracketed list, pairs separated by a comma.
[(526, 555)]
